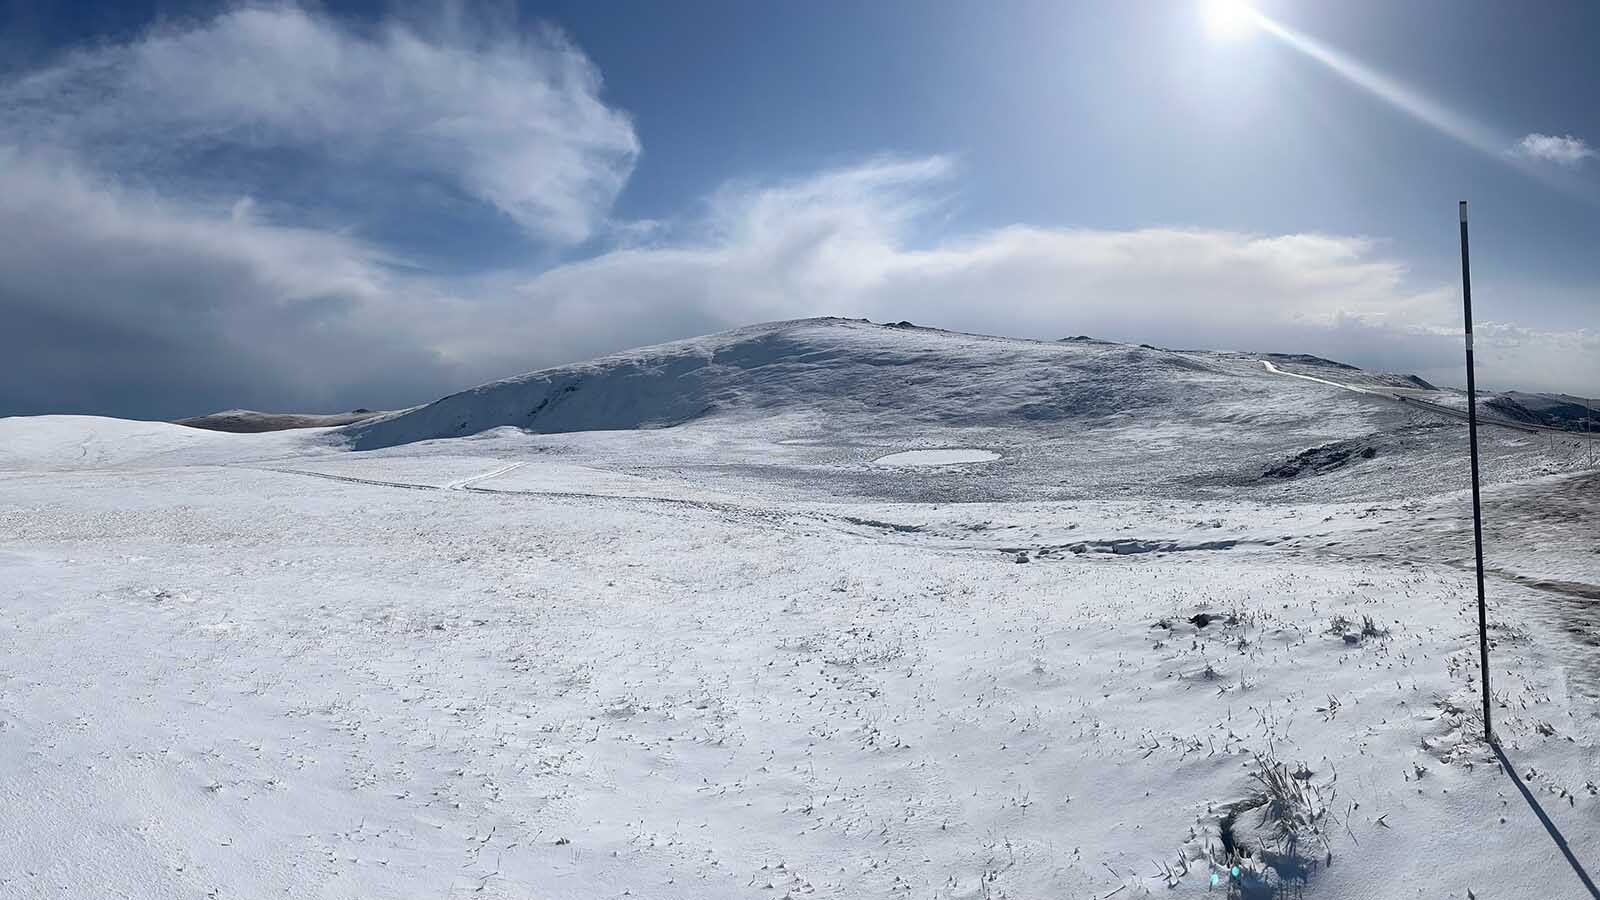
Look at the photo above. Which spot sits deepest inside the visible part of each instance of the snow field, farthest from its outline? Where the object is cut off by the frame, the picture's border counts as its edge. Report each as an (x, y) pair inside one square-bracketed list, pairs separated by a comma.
[(529, 641), (360, 690)]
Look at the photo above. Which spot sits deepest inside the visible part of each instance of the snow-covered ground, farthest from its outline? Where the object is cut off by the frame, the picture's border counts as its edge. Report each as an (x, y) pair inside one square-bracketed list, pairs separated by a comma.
[(700, 637), (947, 456), (249, 421)]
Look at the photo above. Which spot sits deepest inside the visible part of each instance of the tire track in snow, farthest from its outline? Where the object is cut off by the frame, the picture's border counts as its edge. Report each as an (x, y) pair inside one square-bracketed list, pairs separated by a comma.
[(783, 516), (348, 479), (466, 485), (463, 483)]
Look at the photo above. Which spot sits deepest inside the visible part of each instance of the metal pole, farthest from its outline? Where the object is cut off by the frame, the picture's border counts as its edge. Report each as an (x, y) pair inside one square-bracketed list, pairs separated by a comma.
[(1477, 504)]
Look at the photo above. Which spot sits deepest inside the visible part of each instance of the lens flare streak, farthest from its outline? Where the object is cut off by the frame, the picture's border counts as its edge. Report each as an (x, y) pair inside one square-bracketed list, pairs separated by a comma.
[(1429, 112)]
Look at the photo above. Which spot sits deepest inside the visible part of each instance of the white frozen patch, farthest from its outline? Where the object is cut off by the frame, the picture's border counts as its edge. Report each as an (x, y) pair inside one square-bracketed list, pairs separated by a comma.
[(947, 457)]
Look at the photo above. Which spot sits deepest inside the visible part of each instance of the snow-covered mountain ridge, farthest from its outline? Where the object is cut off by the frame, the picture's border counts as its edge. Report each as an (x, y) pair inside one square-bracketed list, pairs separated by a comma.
[(814, 402), (888, 375)]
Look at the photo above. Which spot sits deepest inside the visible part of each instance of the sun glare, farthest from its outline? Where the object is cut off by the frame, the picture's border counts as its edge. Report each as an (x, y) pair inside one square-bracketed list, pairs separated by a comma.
[(1228, 18)]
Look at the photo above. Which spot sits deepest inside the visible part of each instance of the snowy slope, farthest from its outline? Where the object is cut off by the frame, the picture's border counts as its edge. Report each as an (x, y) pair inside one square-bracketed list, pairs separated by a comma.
[(250, 421), (86, 442), (840, 367), (62, 441), (813, 403), (1557, 410), (1344, 373), (261, 684), (808, 609)]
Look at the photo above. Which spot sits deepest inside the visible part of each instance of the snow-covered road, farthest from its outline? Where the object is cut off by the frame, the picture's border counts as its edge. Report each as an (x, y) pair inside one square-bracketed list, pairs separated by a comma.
[(1410, 396)]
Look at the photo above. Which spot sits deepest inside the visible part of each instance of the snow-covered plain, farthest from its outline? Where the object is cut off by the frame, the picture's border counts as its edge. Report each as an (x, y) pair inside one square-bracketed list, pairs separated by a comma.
[(944, 456), (665, 625)]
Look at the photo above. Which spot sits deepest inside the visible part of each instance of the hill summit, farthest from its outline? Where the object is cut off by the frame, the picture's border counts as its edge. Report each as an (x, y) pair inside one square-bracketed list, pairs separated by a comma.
[(849, 370)]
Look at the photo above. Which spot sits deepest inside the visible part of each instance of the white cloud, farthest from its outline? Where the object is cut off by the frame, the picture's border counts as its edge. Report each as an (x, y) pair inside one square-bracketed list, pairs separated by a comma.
[(119, 300), (840, 243), (1533, 359), (127, 286), (511, 119), (1565, 151)]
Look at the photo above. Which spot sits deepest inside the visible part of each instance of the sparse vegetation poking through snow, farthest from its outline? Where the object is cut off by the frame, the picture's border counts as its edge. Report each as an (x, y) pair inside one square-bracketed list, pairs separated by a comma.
[(1346, 628), (1271, 842), (1371, 629), (1331, 709), (1291, 808)]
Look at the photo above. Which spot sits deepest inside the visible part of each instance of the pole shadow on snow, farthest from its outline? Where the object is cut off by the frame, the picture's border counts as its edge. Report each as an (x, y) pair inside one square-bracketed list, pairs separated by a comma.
[(1555, 833)]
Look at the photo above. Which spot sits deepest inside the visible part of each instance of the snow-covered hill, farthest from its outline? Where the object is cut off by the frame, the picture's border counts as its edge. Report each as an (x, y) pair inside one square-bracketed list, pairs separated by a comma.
[(250, 421), (83, 441), (97, 442), (891, 375), (812, 403), (809, 609)]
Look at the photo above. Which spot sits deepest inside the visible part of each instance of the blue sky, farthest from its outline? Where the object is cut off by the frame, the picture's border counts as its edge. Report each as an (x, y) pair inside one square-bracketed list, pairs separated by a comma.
[(319, 207)]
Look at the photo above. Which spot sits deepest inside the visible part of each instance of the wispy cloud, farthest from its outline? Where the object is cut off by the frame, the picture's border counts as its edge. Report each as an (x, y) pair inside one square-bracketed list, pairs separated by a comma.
[(120, 300), (842, 243), (1564, 151), (129, 286), (508, 116)]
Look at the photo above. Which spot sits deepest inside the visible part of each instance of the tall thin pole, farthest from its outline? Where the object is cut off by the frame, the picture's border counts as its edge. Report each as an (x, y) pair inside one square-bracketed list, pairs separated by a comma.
[(1477, 504)]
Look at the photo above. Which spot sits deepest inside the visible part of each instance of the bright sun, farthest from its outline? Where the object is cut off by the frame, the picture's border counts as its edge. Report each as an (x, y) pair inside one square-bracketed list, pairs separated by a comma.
[(1229, 18)]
